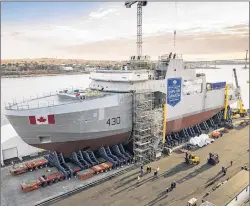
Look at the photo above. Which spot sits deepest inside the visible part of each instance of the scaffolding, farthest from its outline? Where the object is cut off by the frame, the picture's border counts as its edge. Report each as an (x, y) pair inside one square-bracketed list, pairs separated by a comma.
[(147, 127)]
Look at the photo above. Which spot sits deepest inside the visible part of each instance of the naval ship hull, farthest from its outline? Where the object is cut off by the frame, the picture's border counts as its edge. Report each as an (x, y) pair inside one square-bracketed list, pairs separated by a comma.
[(104, 116), (94, 128), (93, 144)]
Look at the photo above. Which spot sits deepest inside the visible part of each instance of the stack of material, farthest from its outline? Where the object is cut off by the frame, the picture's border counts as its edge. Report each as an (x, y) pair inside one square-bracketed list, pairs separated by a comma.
[(201, 141)]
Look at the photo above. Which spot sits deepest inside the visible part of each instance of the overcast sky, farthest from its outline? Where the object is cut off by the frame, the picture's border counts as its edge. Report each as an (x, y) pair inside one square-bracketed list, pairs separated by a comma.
[(103, 30)]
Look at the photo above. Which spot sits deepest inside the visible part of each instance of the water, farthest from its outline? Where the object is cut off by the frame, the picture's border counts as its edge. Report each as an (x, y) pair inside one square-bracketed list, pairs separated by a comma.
[(26, 87), (19, 88)]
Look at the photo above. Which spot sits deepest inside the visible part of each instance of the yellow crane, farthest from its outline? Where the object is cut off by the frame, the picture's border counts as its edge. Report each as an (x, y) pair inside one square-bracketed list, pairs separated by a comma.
[(240, 107)]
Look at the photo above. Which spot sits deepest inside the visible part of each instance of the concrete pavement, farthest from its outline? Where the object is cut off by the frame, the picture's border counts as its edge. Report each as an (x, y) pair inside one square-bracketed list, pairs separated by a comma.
[(192, 181)]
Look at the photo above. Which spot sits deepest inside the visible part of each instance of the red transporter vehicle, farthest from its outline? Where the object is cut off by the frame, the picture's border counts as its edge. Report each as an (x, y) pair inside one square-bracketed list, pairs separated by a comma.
[(97, 169), (85, 174), (107, 166), (42, 181), (28, 166), (102, 167)]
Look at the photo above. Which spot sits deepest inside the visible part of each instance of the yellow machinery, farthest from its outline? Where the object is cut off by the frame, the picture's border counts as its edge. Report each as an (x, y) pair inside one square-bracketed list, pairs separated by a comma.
[(240, 108), (226, 101), (192, 159)]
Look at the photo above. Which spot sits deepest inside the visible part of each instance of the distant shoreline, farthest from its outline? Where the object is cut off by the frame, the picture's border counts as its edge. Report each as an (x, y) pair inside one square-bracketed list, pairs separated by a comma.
[(42, 75)]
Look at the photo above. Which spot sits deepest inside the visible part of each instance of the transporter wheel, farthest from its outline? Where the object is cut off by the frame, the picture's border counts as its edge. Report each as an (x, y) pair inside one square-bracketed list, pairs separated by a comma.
[(40, 166), (30, 169), (44, 184), (97, 173), (50, 183), (56, 180)]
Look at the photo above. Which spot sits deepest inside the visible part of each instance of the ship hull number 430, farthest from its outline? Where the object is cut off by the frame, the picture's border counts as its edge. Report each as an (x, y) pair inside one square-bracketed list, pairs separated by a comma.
[(114, 121)]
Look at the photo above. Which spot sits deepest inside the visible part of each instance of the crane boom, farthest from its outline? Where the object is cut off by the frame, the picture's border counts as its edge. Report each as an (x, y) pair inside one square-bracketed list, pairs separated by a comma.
[(140, 4), (240, 109), (236, 78)]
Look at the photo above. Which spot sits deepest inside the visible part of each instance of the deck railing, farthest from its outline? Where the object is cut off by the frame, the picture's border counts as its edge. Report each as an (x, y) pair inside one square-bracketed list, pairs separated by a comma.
[(26, 105), (14, 102)]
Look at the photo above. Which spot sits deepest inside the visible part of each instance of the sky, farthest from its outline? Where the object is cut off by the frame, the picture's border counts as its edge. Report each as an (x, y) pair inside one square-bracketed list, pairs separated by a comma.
[(106, 30)]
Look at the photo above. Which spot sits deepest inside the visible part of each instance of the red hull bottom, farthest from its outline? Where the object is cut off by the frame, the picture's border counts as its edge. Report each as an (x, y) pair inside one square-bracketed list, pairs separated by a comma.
[(92, 144), (190, 121)]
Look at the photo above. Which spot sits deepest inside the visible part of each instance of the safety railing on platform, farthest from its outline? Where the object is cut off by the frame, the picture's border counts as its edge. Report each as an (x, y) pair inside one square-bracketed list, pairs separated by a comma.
[(25, 105), (16, 103)]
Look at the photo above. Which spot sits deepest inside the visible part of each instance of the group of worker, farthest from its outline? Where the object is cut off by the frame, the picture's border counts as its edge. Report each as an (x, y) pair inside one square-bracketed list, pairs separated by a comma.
[(149, 170)]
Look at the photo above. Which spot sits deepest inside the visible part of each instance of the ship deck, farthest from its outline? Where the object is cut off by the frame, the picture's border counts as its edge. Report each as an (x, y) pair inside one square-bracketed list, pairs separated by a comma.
[(123, 190)]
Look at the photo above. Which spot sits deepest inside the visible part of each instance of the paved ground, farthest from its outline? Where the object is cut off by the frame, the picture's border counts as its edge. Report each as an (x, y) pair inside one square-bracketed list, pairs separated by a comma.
[(227, 191), (191, 180), (11, 194)]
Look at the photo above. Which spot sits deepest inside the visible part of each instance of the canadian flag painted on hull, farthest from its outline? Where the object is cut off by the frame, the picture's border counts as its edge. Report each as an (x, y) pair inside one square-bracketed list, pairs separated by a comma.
[(42, 119)]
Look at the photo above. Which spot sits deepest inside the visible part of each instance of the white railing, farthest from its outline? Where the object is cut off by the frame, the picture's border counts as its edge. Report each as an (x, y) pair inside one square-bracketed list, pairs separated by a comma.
[(20, 106)]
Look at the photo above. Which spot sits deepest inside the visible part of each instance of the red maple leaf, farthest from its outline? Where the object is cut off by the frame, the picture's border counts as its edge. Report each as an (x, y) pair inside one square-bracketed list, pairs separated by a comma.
[(41, 119)]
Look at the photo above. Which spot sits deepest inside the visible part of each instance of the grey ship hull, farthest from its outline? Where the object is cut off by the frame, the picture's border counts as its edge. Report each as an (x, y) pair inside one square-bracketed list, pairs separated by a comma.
[(93, 121), (85, 125), (90, 128)]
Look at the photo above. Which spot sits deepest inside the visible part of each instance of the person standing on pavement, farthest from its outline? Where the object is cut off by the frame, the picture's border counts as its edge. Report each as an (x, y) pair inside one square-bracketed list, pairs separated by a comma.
[(231, 162), (138, 179), (141, 173), (155, 173)]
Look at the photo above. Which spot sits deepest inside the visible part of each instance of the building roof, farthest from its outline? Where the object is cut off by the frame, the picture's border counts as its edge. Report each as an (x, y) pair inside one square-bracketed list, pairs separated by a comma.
[(230, 189), (7, 132)]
